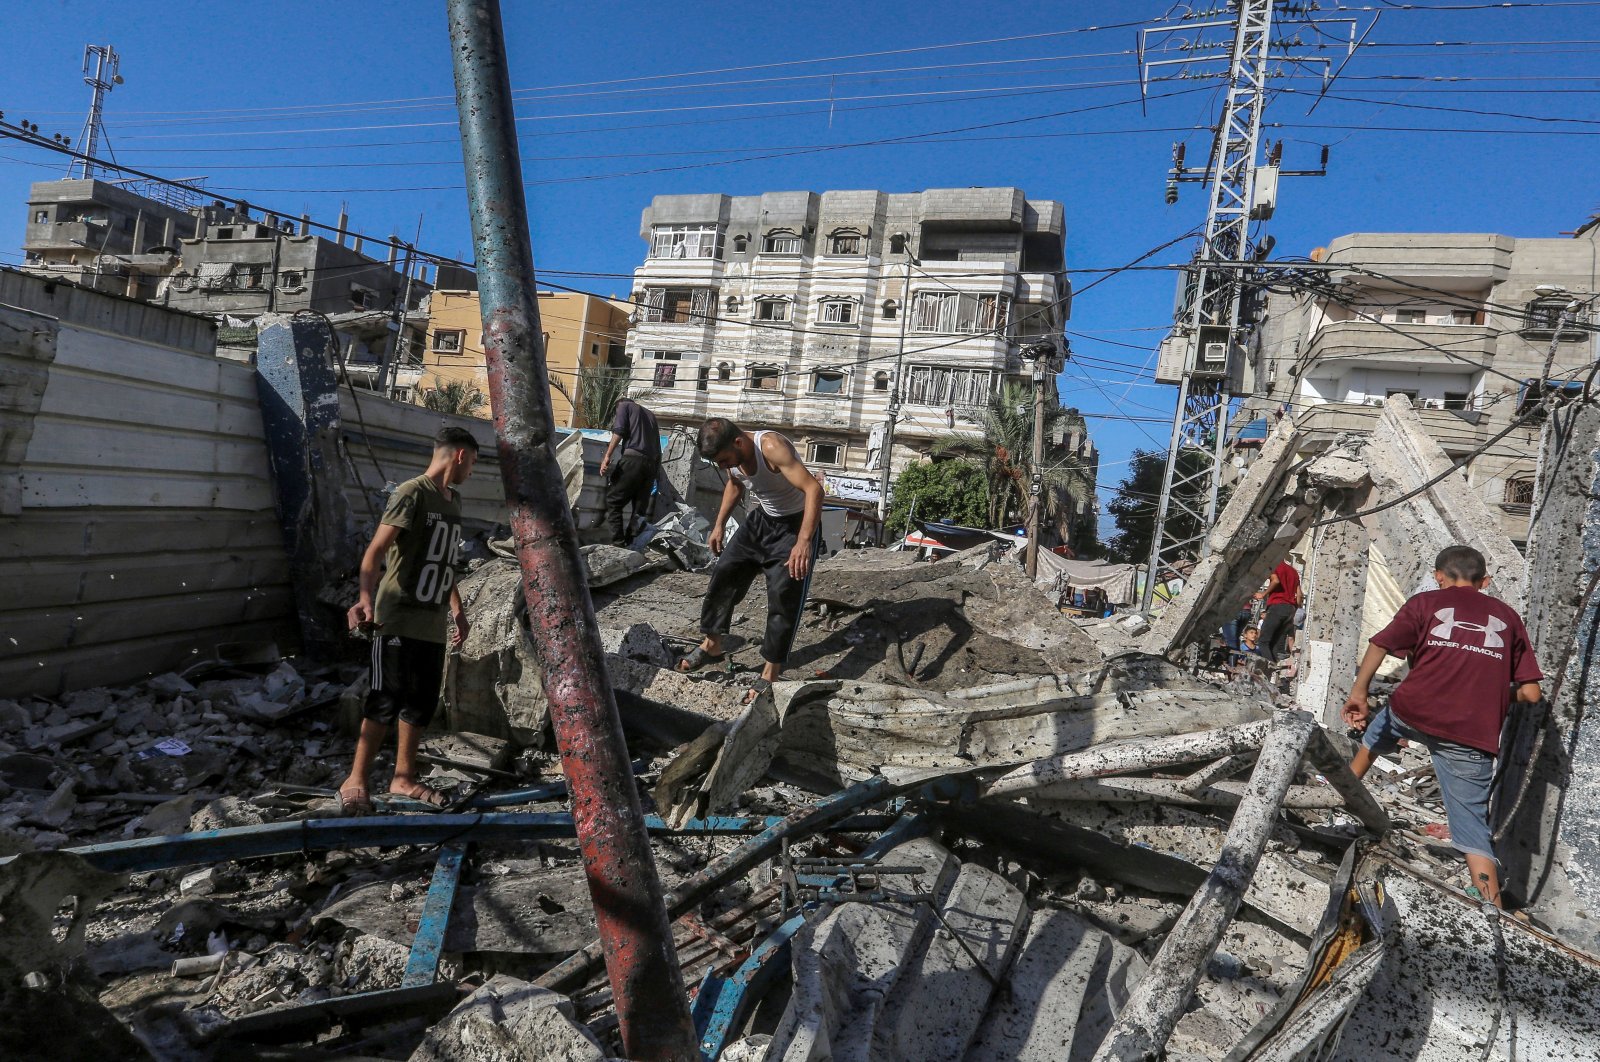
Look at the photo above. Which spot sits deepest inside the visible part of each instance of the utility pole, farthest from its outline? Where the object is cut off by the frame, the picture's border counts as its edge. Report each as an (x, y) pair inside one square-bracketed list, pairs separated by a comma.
[(106, 76), (1202, 353), (630, 910), (1041, 363), (886, 455)]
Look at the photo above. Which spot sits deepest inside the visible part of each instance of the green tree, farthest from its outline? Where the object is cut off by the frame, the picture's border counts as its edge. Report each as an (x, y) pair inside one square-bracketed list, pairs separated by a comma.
[(1134, 507), (595, 393), (940, 490), (454, 396), (1004, 454)]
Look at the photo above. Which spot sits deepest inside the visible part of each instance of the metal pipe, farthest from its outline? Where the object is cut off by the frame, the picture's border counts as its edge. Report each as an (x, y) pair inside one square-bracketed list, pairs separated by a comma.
[(886, 455), (652, 1008)]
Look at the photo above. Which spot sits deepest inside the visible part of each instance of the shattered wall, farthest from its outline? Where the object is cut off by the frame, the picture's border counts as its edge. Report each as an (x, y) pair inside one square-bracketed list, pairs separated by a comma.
[(140, 530)]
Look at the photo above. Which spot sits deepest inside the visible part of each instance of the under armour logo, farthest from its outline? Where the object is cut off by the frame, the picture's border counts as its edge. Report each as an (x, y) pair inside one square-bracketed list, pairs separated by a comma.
[(1448, 624)]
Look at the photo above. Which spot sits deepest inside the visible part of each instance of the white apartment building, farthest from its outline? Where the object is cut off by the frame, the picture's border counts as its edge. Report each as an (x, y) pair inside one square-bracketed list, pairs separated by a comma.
[(1460, 323), (786, 310)]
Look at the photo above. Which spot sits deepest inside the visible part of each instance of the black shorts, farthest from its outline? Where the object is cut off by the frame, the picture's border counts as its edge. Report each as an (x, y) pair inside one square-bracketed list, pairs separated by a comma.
[(407, 674)]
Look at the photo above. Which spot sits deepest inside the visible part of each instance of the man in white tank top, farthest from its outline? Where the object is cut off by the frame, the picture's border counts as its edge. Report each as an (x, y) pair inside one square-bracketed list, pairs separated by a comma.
[(778, 539)]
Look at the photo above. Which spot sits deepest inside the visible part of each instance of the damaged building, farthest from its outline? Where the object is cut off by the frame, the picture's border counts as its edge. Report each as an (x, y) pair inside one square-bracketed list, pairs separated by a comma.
[(964, 826)]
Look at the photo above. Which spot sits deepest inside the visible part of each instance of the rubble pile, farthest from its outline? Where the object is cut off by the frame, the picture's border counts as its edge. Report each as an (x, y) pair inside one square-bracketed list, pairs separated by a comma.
[(967, 828)]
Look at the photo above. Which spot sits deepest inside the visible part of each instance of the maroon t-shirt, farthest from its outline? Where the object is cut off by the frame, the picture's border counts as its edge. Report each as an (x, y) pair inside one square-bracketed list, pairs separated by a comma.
[(1466, 650), (1288, 585)]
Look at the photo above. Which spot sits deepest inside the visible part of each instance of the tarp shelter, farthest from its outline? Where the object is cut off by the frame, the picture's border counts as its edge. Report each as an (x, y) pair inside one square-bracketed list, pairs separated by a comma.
[(1057, 573)]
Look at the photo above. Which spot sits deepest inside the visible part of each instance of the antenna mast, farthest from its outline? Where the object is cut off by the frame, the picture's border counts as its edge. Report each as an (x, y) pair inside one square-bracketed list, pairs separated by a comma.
[(106, 76)]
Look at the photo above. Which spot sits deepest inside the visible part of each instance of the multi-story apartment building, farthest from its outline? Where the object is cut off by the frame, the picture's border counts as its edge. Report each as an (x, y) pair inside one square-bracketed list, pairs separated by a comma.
[(787, 310), (580, 331), (1460, 323), (222, 261)]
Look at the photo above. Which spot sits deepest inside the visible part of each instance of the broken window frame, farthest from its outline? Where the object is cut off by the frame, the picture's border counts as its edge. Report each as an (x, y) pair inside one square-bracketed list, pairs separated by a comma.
[(771, 309), (958, 312), (838, 313), (943, 386), (703, 240), (679, 305), (763, 378), (783, 243), (814, 453), (450, 341), (839, 381), (847, 243)]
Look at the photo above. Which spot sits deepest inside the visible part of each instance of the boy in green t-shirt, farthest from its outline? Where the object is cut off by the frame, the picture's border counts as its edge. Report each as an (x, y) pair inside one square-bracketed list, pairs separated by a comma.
[(416, 543)]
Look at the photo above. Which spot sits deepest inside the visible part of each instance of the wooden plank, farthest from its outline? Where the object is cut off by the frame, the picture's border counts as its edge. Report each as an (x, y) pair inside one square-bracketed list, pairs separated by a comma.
[(86, 488), (36, 584), (63, 627), (115, 663), (60, 443), (119, 400), (135, 360), (45, 534)]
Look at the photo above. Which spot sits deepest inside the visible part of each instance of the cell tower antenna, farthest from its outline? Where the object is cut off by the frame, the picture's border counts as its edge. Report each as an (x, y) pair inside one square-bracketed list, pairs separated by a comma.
[(107, 75)]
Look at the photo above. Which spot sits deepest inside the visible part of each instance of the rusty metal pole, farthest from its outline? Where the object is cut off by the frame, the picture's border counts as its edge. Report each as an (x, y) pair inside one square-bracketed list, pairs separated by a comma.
[(634, 930)]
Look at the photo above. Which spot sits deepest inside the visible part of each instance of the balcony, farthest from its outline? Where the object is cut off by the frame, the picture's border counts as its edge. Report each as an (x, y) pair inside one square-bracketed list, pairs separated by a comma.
[(1345, 344), (1440, 259), (1456, 431)]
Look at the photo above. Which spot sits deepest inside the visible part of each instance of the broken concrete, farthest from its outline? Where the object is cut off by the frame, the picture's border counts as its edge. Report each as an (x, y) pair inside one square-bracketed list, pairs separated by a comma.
[(508, 1020)]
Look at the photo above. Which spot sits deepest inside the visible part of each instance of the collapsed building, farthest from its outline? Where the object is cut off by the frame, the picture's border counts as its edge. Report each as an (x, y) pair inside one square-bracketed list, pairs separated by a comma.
[(967, 827)]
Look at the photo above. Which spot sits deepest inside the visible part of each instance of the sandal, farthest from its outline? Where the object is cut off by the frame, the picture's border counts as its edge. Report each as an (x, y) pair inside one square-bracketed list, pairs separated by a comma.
[(757, 688), (354, 802), (421, 792), (697, 659)]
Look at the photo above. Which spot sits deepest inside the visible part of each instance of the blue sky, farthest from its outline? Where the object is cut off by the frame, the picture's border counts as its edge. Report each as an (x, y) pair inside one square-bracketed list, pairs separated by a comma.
[(299, 107)]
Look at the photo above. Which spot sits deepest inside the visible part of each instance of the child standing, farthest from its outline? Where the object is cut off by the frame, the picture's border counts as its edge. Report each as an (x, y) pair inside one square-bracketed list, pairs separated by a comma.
[(1467, 651)]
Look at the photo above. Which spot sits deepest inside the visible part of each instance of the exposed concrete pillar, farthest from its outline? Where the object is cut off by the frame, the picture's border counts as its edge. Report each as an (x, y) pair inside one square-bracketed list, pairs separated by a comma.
[(300, 417), (305, 225), (1547, 807), (344, 223), (1333, 645)]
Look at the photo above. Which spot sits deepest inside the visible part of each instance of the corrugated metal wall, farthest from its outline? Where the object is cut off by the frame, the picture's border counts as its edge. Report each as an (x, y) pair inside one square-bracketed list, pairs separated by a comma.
[(137, 531)]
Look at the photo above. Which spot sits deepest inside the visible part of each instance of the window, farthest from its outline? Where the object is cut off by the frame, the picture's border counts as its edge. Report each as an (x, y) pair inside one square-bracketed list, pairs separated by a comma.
[(594, 350), (1463, 317), (838, 312), (957, 312), (827, 382), (41, 217), (703, 382), (772, 309), (1457, 400), (224, 234), (1391, 392), (764, 378), (732, 305), (1544, 315), (127, 224), (362, 297), (935, 385), (449, 341), (724, 372), (826, 453), (846, 243), (291, 279), (680, 305), (1409, 317), (1533, 394), (891, 309), (666, 372), (741, 243), (1519, 494), (686, 241), (782, 241), (880, 381), (254, 275)]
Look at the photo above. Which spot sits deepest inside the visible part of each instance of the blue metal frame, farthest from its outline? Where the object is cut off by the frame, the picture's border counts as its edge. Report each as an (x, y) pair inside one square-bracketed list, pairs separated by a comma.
[(723, 1004), (422, 966)]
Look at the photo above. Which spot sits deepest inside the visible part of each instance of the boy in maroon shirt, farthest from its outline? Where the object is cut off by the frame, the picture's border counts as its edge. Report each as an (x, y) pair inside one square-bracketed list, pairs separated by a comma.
[(1467, 650)]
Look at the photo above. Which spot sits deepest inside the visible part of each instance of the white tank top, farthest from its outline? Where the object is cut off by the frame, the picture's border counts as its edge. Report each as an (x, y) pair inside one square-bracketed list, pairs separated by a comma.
[(775, 494)]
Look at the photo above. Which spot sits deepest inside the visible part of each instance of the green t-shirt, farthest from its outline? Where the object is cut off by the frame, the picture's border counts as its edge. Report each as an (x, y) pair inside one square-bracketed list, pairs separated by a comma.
[(419, 571)]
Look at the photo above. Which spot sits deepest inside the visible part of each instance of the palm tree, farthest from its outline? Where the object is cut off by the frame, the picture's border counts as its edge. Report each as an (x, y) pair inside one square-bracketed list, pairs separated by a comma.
[(1004, 453), (454, 396), (595, 393)]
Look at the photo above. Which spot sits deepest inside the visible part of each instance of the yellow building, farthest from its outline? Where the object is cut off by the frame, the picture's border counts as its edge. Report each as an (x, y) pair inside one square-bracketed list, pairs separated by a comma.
[(579, 330)]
